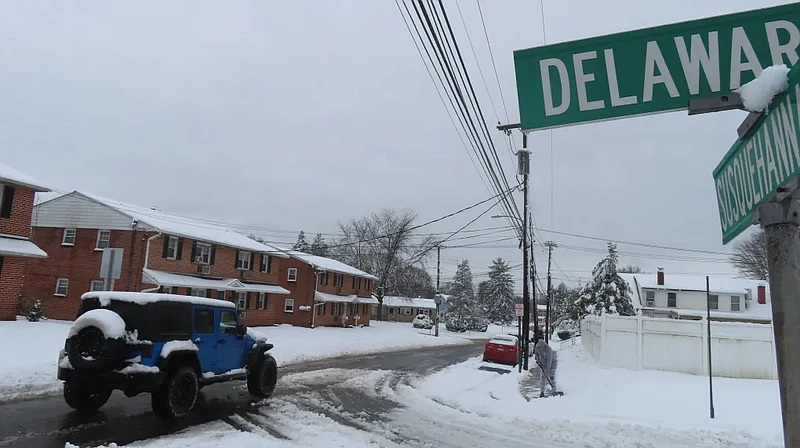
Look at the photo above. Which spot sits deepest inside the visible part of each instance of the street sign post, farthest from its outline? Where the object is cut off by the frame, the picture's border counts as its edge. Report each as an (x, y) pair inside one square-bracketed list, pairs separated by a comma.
[(651, 70), (759, 165), (111, 266)]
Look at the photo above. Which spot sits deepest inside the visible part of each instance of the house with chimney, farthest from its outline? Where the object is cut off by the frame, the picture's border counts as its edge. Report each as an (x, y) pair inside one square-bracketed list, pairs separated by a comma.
[(685, 297), (17, 194), (161, 253)]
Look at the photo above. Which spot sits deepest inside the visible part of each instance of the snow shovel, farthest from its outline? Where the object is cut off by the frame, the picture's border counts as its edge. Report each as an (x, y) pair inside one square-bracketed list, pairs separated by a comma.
[(556, 393)]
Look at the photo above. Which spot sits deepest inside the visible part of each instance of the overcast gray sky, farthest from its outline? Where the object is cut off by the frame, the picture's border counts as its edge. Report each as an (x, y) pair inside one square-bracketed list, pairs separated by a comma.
[(296, 115)]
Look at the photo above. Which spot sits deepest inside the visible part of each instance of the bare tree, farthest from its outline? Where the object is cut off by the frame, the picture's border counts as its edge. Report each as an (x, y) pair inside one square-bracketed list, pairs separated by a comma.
[(750, 256), (630, 269)]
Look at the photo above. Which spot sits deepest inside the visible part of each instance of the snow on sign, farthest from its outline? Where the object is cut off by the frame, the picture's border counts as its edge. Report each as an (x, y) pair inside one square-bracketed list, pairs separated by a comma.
[(756, 166), (519, 310), (651, 70)]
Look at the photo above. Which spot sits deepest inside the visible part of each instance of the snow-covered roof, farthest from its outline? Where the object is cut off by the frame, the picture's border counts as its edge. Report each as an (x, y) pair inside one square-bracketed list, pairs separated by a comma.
[(143, 298), (336, 298), (20, 247), (162, 278), (717, 284), (328, 264), (195, 229), (11, 176), (409, 302)]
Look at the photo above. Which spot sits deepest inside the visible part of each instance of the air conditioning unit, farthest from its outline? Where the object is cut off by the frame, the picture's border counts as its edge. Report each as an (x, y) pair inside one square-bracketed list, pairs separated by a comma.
[(199, 259), (204, 269), (246, 274)]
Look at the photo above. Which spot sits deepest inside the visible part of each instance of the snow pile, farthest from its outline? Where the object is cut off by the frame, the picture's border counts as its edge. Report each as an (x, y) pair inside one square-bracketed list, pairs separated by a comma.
[(109, 322), (174, 346), (30, 354), (758, 93), (139, 368), (256, 335)]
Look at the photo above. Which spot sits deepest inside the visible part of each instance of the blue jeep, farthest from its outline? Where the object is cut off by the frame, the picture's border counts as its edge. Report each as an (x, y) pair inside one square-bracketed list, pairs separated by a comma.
[(167, 345)]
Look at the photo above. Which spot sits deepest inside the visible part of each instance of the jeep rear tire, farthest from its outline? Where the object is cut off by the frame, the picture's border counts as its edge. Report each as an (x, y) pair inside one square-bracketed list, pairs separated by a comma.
[(177, 395), (263, 377), (83, 397)]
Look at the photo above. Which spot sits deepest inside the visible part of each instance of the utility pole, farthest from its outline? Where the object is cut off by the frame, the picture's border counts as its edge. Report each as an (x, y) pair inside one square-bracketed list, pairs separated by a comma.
[(523, 157), (780, 221), (438, 299), (550, 245)]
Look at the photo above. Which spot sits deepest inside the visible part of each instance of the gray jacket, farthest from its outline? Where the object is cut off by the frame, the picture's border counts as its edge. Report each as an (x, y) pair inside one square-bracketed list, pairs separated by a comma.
[(545, 356)]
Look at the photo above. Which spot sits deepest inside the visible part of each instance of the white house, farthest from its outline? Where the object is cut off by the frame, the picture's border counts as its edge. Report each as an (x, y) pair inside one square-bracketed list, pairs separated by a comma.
[(684, 297), (405, 309)]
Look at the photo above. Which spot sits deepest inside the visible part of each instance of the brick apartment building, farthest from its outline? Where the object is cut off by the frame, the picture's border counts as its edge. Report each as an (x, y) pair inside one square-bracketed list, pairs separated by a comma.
[(165, 253), (17, 193)]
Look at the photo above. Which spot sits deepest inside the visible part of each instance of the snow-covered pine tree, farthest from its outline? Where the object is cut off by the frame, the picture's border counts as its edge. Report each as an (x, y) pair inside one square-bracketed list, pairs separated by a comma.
[(461, 305), (499, 302), (607, 290), (35, 312), (301, 244), (319, 246), (482, 295)]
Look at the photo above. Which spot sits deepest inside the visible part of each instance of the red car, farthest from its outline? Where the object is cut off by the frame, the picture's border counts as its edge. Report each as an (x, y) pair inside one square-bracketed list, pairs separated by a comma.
[(501, 349)]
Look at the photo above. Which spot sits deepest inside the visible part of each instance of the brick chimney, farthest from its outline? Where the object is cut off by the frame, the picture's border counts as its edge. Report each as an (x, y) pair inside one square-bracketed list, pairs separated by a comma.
[(660, 276), (762, 294)]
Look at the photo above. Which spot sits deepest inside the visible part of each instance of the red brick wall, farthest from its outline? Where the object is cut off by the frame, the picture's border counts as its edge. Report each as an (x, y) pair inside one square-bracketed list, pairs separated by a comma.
[(302, 291), (347, 286), (19, 223), (80, 264), (11, 280)]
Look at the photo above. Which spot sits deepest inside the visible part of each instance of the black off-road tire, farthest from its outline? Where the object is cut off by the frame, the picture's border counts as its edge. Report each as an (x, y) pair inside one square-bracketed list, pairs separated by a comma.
[(177, 395), (263, 377), (92, 351), (83, 397)]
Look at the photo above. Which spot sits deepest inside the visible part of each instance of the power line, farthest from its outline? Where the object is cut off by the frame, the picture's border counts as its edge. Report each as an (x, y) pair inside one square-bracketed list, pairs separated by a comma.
[(632, 243)]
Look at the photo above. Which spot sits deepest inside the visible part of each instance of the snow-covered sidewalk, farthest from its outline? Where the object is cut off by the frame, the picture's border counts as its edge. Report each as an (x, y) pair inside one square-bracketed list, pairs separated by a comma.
[(30, 350)]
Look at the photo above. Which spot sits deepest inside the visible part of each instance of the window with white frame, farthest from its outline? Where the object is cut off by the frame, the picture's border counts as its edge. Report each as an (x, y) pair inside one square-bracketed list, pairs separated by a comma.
[(241, 300), (202, 253), (97, 285), (405, 311), (650, 298), (243, 262), (61, 287), (288, 306), (172, 247), (103, 239), (69, 237), (672, 300), (198, 292), (262, 301), (713, 300), (736, 304), (338, 279), (292, 277)]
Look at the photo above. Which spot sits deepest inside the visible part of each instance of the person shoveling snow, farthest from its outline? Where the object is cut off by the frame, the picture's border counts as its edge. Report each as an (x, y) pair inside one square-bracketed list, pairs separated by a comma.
[(547, 360)]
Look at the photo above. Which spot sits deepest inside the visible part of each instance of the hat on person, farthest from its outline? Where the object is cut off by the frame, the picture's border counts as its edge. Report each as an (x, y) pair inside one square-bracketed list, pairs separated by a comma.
[(541, 344)]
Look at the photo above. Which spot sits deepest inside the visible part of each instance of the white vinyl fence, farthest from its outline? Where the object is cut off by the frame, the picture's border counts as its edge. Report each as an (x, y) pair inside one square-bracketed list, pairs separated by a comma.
[(738, 350)]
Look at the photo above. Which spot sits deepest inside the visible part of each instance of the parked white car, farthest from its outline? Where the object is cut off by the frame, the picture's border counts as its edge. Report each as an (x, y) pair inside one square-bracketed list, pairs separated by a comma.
[(422, 321)]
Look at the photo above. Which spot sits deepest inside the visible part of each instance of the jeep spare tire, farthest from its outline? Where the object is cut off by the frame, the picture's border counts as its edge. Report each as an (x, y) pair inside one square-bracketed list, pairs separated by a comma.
[(96, 341)]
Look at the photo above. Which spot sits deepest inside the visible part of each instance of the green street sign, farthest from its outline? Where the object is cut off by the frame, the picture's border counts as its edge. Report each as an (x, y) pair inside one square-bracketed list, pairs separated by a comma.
[(756, 166), (651, 70)]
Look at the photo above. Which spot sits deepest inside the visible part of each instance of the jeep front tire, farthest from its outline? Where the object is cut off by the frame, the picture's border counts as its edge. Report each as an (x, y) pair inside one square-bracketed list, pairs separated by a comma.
[(262, 377), (177, 395), (84, 397)]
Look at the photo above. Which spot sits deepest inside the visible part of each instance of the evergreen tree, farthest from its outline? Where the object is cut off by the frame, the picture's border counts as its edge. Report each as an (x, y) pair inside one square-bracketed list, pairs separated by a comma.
[(35, 312), (562, 307), (319, 246), (607, 290), (462, 303), (499, 302), (482, 296), (301, 244)]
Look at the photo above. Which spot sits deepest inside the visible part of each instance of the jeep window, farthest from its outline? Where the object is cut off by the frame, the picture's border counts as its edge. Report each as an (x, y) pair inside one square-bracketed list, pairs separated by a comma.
[(227, 322), (204, 321), (173, 321)]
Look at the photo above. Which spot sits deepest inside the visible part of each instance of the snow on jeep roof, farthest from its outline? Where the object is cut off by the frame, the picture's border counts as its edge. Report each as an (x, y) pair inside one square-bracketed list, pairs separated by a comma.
[(143, 298)]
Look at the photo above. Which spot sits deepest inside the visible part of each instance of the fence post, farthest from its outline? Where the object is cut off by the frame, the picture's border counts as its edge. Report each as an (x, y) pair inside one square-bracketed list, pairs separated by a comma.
[(704, 331), (639, 341)]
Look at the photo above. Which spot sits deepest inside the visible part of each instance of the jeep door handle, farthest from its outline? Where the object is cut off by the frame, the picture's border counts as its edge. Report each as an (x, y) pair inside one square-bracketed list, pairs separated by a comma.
[(221, 341)]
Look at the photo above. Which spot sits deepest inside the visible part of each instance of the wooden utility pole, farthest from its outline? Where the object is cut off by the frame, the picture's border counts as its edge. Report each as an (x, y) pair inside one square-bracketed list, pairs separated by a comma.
[(549, 245)]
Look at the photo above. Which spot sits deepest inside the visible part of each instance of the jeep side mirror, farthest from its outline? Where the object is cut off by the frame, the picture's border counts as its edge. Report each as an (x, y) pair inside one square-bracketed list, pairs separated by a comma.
[(241, 329)]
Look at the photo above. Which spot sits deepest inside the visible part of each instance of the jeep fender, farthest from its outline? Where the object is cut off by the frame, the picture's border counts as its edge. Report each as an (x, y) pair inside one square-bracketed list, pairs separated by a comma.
[(182, 358), (259, 349)]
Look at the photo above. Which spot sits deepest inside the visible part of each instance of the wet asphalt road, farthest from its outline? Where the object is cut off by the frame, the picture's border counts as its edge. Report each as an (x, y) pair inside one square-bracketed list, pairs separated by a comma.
[(50, 423)]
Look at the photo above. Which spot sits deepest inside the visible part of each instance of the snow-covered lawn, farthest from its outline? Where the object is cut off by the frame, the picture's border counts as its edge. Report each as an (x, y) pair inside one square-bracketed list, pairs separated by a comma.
[(295, 344), (617, 407), (29, 354), (30, 350)]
